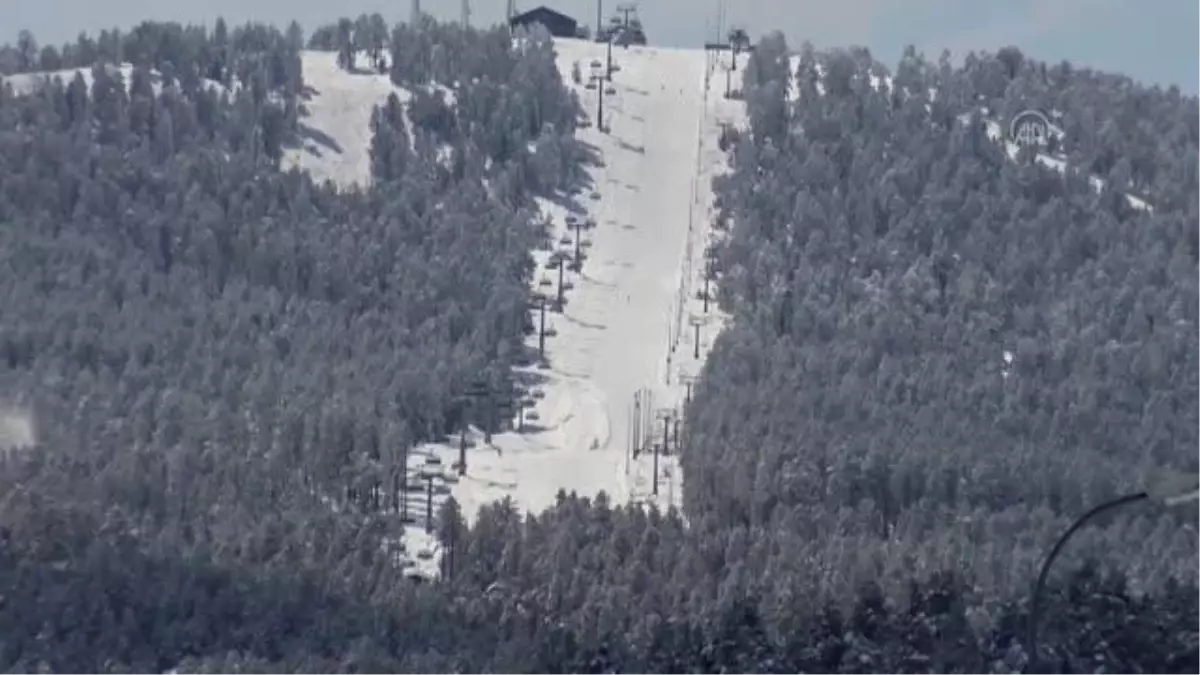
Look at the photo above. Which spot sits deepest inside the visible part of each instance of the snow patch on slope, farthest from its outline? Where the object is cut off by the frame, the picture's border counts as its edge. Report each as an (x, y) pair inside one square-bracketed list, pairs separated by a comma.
[(335, 133), (624, 328), (16, 430), (28, 83)]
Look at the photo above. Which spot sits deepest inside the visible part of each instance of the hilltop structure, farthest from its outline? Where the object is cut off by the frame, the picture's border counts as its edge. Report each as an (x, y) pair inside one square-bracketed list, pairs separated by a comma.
[(559, 24)]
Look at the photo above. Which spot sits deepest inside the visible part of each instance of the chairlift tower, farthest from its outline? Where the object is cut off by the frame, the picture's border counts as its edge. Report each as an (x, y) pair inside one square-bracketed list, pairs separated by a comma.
[(625, 9)]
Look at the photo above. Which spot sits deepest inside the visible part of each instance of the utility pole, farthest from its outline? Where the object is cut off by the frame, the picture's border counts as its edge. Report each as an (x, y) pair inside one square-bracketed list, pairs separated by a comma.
[(696, 322), (637, 420), (647, 430), (608, 69), (600, 105), (562, 260), (599, 17), (428, 476), (462, 447), (478, 389), (688, 380), (664, 414), (466, 14), (542, 326), (577, 263), (416, 13), (708, 274)]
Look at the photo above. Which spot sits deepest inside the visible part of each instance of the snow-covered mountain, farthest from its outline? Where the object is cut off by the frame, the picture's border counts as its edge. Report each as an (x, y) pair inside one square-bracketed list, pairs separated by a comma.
[(623, 348)]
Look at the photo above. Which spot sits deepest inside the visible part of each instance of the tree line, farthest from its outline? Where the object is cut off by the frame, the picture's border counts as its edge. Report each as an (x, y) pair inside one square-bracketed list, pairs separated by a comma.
[(227, 363)]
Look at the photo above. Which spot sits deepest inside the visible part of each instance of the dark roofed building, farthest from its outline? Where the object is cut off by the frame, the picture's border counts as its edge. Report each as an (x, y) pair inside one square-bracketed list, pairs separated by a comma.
[(559, 24)]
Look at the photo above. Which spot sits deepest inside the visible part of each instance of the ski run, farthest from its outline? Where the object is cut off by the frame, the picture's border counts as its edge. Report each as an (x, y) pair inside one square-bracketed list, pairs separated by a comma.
[(624, 348), (634, 329)]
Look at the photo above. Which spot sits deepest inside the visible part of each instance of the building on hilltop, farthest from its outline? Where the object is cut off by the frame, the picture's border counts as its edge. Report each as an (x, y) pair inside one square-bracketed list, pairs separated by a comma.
[(559, 24)]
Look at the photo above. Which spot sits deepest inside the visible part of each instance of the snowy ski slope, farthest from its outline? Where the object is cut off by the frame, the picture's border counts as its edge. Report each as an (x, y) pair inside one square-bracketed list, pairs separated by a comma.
[(625, 329), (624, 309), (628, 326), (336, 129), (631, 302)]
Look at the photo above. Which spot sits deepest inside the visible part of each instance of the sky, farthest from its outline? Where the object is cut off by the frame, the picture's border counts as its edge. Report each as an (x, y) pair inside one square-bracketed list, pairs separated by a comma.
[(1154, 41)]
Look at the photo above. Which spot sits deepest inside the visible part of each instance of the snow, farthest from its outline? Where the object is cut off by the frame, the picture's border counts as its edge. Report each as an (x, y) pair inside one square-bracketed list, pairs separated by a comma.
[(336, 129), (624, 330), (16, 430), (994, 130), (996, 133), (27, 83)]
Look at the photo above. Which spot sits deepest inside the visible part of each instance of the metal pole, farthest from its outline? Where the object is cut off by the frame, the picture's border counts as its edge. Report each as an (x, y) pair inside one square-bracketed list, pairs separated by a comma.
[(561, 262), (696, 347), (629, 438), (404, 495), (600, 106), (578, 230), (637, 417), (462, 448), (491, 415), (1035, 612), (654, 484), (608, 72), (542, 330), (429, 504)]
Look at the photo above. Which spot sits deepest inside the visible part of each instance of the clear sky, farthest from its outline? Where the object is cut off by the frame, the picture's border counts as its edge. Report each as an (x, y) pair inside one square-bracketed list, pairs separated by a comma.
[(1151, 40)]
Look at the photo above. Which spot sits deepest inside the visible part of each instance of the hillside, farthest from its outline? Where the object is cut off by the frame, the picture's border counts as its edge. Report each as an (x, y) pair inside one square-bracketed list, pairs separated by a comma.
[(275, 394), (942, 350)]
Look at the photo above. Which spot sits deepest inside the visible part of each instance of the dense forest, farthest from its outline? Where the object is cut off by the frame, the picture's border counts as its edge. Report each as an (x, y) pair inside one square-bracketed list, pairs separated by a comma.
[(214, 349)]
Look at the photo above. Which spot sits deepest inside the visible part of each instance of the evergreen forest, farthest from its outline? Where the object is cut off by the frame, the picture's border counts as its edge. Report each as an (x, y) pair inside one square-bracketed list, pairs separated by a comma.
[(938, 358)]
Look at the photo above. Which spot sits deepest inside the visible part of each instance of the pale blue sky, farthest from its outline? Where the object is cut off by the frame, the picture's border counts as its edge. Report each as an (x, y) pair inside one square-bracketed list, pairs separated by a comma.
[(1151, 40)]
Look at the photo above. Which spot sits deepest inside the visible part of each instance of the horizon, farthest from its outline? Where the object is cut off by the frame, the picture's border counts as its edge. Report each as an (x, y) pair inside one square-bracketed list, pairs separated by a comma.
[(1153, 48)]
